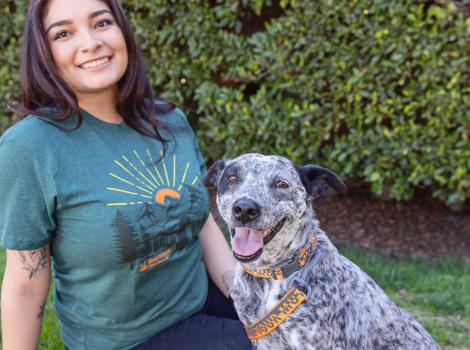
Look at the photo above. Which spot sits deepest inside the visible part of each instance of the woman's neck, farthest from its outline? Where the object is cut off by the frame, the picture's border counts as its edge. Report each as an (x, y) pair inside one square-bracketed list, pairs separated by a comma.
[(101, 106)]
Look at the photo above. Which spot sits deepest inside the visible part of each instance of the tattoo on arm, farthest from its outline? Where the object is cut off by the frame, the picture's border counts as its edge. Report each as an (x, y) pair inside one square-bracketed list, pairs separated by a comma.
[(34, 260), (227, 279), (42, 309)]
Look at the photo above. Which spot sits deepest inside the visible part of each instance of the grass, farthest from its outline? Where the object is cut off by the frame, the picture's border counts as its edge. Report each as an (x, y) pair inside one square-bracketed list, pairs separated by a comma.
[(437, 294)]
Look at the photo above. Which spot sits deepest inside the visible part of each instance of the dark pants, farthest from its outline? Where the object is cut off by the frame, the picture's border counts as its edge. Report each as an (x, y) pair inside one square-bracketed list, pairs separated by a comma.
[(216, 327)]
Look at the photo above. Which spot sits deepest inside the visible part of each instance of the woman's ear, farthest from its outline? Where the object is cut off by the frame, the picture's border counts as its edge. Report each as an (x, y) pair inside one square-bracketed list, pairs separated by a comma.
[(317, 179)]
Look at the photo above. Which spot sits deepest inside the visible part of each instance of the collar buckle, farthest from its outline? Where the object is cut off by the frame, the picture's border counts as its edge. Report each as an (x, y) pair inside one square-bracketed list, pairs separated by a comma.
[(290, 267)]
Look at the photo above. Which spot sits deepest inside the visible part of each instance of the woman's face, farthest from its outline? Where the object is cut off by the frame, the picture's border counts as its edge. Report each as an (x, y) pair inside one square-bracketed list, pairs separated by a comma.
[(87, 45)]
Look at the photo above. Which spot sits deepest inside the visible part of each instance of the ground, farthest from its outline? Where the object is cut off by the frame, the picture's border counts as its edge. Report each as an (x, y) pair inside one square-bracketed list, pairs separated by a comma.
[(423, 227)]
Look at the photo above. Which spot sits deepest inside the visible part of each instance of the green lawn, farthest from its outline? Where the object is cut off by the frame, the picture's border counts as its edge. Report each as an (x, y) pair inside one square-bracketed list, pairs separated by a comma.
[(437, 294)]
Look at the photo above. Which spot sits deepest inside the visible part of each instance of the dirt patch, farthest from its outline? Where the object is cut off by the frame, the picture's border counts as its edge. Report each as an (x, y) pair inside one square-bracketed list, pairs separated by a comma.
[(423, 227)]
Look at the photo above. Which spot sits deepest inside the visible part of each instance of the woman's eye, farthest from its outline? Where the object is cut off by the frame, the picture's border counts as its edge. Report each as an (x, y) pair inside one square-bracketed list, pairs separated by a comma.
[(61, 35), (231, 178), (282, 184), (104, 23)]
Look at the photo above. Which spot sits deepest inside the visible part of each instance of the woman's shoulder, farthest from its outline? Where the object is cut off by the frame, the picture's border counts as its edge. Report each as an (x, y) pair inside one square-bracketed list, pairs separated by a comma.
[(173, 118), (30, 132)]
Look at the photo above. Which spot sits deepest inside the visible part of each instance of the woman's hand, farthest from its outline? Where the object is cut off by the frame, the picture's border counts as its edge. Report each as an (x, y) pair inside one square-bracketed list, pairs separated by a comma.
[(25, 288), (217, 255)]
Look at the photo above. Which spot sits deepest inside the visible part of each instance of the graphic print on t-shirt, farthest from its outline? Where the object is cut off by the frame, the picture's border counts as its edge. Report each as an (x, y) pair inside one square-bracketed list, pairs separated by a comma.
[(169, 205)]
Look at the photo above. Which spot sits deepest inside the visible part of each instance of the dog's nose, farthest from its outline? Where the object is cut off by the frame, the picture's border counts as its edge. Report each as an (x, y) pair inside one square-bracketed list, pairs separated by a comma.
[(245, 210)]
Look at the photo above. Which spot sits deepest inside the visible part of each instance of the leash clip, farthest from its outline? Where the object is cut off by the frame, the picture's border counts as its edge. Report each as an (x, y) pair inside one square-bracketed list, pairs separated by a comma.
[(302, 285), (300, 279)]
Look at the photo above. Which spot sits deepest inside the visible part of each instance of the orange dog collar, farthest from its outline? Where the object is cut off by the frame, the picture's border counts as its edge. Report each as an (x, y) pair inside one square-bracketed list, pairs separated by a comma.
[(285, 270)]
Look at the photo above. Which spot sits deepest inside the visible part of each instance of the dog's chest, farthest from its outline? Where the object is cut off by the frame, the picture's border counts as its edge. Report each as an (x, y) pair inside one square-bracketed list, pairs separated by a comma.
[(256, 299)]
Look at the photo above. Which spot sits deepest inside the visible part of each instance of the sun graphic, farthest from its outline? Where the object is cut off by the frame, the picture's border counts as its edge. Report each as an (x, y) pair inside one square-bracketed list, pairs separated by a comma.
[(147, 184), (166, 192)]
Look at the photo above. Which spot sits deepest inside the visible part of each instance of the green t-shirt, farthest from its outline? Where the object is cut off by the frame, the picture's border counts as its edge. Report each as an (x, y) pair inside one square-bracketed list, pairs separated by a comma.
[(123, 225)]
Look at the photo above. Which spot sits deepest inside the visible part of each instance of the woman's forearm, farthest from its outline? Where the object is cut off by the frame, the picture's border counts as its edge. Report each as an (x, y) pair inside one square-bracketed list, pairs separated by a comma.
[(25, 288), (21, 321), (217, 256)]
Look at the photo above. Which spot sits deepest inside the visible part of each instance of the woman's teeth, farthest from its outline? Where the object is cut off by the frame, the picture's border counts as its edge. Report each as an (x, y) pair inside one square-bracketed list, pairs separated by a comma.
[(96, 63)]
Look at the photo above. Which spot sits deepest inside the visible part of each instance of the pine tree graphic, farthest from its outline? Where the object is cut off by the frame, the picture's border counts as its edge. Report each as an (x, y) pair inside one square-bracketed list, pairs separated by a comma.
[(126, 238), (146, 247)]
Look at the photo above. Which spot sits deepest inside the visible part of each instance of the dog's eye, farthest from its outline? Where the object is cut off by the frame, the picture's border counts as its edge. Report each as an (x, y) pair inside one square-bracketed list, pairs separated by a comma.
[(231, 178), (282, 184)]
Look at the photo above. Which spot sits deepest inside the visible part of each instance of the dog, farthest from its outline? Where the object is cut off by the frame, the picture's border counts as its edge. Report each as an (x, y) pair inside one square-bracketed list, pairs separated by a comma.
[(292, 288)]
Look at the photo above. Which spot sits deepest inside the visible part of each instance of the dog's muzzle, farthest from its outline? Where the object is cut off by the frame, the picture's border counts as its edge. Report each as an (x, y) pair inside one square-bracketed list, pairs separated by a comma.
[(247, 243)]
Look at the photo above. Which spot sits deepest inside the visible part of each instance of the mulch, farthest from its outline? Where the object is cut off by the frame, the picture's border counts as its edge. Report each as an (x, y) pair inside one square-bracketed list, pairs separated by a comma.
[(422, 227)]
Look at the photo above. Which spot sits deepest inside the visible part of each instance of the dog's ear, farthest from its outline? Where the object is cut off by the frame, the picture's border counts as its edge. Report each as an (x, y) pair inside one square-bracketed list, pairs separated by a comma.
[(213, 174), (316, 180), (211, 181)]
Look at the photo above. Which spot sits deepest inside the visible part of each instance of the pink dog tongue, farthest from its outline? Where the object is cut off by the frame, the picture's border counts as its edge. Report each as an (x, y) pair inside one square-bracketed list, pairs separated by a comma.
[(246, 242)]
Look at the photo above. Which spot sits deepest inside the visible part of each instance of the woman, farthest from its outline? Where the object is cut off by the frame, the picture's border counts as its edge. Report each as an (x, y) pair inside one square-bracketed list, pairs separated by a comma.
[(110, 196)]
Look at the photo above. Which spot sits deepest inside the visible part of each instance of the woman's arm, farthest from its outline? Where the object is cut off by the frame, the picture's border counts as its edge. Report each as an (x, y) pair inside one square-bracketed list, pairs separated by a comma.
[(25, 288), (217, 255)]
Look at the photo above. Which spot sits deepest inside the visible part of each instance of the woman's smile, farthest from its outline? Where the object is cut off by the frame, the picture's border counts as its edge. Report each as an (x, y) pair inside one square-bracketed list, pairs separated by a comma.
[(96, 64)]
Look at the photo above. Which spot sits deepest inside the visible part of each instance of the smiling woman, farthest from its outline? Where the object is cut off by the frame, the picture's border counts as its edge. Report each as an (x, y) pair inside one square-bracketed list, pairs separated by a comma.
[(76, 57), (102, 186)]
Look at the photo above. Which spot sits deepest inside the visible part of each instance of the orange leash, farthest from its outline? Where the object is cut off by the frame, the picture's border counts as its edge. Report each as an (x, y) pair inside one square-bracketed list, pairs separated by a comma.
[(298, 292), (277, 315)]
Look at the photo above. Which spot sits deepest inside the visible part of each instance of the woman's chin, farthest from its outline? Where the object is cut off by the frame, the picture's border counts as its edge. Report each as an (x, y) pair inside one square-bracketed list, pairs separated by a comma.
[(98, 88)]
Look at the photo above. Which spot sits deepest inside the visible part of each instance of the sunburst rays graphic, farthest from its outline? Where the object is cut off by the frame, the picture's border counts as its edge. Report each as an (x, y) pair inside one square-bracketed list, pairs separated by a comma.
[(147, 183)]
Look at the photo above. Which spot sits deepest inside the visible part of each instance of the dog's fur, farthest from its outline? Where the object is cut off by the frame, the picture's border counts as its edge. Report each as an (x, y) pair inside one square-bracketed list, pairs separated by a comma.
[(346, 309)]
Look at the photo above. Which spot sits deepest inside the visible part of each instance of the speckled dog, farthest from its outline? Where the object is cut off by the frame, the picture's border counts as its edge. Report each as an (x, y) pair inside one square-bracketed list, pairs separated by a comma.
[(266, 202)]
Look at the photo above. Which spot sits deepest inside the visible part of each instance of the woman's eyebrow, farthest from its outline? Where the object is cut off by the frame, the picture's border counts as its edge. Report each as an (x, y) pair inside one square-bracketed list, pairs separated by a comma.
[(66, 21)]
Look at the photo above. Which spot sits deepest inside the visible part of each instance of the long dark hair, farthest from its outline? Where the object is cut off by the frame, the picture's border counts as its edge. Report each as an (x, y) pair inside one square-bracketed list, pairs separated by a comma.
[(42, 86)]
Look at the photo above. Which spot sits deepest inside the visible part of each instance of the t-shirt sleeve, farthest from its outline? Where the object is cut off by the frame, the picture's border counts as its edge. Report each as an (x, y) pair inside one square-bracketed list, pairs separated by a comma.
[(27, 199), (203, 171), (200, 158), (192, 135)]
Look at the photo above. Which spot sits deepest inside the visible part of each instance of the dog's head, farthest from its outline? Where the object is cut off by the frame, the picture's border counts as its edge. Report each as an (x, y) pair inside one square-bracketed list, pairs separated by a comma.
[(265, 200)]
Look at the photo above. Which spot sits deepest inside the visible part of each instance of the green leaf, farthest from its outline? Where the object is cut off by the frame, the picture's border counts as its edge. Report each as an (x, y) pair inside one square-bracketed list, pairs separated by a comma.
[(375, 176)]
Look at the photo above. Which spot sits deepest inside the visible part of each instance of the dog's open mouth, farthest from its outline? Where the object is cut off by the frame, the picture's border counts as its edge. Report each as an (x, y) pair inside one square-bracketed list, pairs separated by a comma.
[(247, 244)]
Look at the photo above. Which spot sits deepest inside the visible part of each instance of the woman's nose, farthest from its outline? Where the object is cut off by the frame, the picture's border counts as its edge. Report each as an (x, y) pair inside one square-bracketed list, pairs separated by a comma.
[(89, 41)]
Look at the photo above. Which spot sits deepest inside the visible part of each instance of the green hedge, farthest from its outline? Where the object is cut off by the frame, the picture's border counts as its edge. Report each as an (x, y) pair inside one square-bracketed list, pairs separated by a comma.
[(378, 90)]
